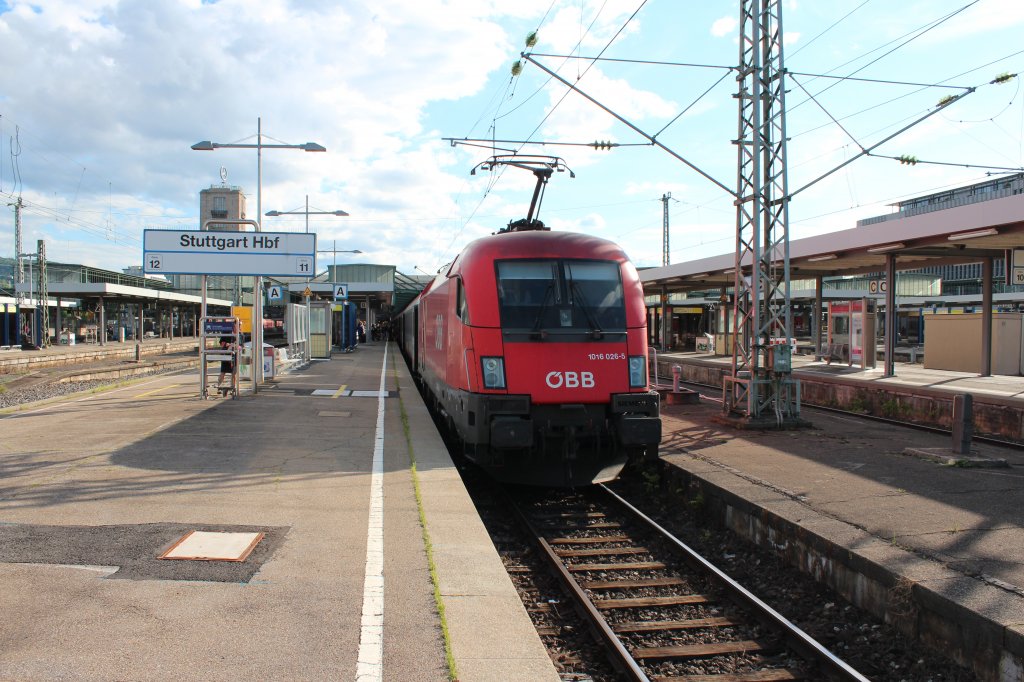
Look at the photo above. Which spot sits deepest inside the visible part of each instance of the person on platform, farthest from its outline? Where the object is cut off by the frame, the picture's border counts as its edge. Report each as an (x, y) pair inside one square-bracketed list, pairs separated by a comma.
[(226, 366)]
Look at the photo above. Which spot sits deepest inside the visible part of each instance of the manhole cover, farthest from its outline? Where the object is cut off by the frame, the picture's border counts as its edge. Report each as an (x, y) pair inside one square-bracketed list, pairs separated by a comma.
[(198, 545)]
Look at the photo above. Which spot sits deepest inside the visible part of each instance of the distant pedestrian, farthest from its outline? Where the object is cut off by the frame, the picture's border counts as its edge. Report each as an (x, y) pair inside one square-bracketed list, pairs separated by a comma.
[(227, 367)]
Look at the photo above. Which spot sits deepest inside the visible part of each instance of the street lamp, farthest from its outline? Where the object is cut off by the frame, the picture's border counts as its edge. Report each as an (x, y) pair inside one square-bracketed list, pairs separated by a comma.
[(257, 327), (307, 355), (336, 251), (307, 213)]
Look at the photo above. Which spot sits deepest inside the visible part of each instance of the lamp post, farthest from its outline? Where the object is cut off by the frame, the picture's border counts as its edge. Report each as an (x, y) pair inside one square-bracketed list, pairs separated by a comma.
[(307, 356), (257, 308)]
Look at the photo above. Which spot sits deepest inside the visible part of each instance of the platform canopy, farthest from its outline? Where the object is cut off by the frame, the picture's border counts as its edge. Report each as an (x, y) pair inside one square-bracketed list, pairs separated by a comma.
[(122, 292), (959, 234)]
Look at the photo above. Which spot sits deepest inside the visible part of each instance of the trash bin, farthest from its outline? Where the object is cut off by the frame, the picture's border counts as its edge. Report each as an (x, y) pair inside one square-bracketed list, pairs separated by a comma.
[(244, 368)]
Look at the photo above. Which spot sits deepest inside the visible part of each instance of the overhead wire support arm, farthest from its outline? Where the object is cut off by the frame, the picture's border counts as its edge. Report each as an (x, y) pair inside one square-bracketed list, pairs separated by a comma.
[(479, 142), (866, 151), (913, 161), (649, 62), (652, 139)]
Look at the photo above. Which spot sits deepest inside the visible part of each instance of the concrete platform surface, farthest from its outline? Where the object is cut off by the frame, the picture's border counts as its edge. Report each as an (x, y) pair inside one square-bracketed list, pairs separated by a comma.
[(93, 488), (845, 502), (913, 376)]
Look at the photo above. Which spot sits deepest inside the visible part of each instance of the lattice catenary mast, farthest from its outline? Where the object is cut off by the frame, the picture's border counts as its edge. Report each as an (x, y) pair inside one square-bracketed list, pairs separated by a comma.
[(44, 298), (761, 388)]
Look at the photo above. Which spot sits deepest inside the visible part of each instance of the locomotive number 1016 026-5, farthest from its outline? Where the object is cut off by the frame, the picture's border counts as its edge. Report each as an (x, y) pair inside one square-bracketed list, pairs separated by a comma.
[(606, 356)]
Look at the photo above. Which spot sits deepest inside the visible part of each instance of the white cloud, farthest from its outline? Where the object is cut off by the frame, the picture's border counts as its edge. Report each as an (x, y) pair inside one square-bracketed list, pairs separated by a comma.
[(986, 17), (578, 120), (589, 27), (724, 27)]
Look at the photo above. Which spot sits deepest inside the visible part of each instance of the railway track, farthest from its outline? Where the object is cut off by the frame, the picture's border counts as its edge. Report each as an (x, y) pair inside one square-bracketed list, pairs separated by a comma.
[(662, 611)]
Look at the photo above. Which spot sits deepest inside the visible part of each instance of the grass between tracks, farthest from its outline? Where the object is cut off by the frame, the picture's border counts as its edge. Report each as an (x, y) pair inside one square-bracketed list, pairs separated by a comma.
[(427, 545)]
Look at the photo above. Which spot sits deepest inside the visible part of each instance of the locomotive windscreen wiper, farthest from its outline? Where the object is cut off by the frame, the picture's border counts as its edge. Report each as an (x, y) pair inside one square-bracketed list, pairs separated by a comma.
[(536, 331), (595, 328)]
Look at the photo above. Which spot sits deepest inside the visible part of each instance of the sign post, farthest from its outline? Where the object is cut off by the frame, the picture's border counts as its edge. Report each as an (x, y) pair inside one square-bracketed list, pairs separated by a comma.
[(307, 354), (341, 294), (256, 254)]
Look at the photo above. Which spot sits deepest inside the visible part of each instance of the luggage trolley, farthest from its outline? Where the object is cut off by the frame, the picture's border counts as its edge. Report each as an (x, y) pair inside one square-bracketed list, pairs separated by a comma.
[(219, 327)]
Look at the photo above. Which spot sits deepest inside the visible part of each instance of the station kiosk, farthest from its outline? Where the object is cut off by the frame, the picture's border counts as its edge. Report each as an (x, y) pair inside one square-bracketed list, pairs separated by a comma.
[(219, 327)]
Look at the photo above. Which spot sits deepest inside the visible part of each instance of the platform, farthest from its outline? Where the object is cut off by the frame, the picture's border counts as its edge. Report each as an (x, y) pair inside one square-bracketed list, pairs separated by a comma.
[(916, 394), (94, 488), (936, 550)]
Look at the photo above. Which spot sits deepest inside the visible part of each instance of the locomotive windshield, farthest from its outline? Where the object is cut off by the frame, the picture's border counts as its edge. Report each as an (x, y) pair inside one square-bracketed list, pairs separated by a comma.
[(551, 296)]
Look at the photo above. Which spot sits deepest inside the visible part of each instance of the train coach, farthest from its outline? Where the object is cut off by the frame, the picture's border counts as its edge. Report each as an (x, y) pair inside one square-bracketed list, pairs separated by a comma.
[(532, 345)]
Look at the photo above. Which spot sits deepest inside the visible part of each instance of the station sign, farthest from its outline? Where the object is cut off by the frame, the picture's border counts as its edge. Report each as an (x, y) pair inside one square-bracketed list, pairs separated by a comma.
[(214, 326), (195, 252), (1018, 267), (340, 292), (275, 292)]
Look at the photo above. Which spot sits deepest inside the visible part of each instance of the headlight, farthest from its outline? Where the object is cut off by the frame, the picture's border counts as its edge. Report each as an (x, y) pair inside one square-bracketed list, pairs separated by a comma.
[(494, 372), (637, 371)]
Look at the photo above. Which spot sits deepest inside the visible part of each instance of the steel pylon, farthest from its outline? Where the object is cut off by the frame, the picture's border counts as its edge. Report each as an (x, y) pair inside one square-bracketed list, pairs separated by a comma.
[(761, 388)]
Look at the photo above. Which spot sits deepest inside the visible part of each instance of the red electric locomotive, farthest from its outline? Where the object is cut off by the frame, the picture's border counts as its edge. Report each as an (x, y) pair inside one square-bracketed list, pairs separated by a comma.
[(533, 345)]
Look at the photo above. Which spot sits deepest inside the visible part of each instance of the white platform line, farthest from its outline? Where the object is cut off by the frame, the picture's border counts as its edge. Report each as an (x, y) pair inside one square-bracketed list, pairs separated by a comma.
[(370, 662)]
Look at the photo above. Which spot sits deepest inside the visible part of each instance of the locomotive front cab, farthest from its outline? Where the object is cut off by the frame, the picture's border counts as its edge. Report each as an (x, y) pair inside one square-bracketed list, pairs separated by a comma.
[(564, 376)]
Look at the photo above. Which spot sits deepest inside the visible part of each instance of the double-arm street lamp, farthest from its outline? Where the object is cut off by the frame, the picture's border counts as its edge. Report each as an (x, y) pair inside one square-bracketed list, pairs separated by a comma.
[(257, 326), (307, 213)]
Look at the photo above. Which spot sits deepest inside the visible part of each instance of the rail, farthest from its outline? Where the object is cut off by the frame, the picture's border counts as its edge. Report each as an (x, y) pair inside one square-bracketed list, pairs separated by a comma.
[(613, 559)]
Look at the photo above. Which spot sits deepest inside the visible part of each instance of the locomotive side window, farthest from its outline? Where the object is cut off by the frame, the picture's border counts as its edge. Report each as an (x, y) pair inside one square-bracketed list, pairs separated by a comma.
[(461, 307)]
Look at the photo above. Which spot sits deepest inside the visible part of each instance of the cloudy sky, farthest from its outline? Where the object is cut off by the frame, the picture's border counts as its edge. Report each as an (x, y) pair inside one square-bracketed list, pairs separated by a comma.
[(100, 101)]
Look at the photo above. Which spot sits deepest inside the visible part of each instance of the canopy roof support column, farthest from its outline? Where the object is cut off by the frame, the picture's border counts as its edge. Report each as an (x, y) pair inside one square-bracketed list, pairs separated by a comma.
[(816, 319), (101, 328), (986, 317), (890, 318)]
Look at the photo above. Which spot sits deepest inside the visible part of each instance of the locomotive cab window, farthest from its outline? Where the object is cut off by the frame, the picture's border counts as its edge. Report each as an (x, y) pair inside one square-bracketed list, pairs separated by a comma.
[(461, 307), (560, 297), (595, 287)]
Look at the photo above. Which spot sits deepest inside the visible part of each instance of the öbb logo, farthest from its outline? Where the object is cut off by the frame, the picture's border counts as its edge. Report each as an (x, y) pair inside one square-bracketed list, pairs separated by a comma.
[(570, 379)]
